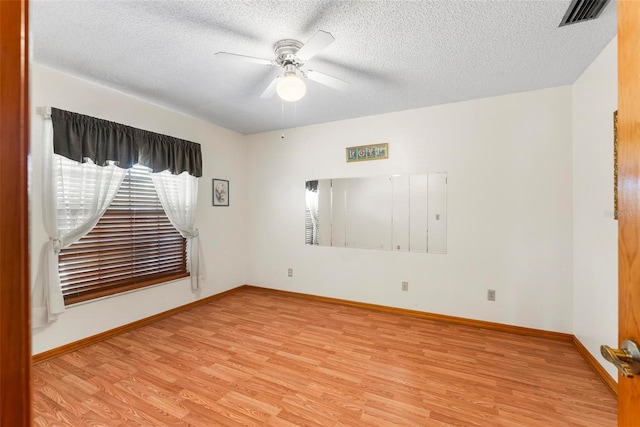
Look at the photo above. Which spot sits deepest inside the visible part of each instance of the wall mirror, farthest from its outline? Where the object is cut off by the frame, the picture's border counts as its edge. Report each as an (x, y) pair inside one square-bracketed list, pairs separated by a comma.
[(394, 213)]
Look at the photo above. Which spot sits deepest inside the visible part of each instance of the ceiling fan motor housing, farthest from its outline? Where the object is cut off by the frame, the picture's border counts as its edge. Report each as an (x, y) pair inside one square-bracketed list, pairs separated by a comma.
[(285, 51)]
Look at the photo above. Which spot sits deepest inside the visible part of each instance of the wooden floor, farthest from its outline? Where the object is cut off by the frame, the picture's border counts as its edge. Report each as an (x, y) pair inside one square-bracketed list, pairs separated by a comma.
[(257, 357)]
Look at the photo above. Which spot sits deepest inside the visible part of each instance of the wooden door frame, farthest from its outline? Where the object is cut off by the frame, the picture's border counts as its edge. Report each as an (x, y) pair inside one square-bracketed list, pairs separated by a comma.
[(629, 198), (15, 325)]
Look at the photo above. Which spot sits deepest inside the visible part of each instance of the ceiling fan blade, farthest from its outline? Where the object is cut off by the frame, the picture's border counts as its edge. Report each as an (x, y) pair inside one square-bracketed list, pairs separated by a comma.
[(244, 58), (319, 41), (271, 89), (327, 80)]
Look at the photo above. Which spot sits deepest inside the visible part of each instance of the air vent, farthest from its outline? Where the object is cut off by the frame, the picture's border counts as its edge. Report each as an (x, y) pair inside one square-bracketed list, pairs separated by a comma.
[(583, 10)]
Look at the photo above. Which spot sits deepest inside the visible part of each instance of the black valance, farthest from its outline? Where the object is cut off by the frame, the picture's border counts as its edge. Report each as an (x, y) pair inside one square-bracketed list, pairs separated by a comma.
[(79, 137)]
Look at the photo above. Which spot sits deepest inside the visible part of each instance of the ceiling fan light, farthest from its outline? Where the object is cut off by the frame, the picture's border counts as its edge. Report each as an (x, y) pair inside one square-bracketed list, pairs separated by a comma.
[(291, 87)]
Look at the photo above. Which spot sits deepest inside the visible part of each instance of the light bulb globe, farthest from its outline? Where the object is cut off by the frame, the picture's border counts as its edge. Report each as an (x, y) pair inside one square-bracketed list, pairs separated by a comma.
[(291, 88)]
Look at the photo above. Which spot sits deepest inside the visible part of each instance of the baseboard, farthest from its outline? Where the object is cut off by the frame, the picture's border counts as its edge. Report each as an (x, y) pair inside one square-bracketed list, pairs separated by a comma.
[(604, 376), (67, 348), (520, 330), (611, 384)]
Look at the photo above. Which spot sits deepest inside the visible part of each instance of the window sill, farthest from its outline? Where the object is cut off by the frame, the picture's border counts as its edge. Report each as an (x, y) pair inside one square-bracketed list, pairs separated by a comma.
[(121, 290)]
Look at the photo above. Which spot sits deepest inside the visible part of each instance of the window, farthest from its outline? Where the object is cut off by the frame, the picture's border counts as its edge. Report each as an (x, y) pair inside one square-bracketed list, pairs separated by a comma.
[(309, 227), (311, 214), (132, 246)]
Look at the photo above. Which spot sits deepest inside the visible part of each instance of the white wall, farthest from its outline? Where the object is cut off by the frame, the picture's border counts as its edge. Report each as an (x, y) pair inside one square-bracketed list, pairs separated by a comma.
[(529, 202), (595, 245), (508, 160), (222, 230)]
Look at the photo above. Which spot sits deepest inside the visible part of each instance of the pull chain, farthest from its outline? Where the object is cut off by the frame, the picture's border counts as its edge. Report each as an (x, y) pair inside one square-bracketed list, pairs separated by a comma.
[(282, 118)]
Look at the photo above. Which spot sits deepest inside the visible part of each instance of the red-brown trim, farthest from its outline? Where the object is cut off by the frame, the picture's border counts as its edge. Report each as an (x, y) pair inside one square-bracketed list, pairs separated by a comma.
[(520, 330), (611, 384), (604, 376), (68, 300), (628, 199), (538, 333), (15, 327), (67, 348)]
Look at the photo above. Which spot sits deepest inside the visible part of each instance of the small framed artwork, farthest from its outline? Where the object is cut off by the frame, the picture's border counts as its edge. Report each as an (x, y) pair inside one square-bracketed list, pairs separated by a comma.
[(368, 152), (220, 192)]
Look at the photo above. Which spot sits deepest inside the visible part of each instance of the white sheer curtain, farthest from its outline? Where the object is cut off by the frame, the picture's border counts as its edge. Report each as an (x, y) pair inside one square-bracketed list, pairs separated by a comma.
[(312, 205), (75, 196), (179, 197)]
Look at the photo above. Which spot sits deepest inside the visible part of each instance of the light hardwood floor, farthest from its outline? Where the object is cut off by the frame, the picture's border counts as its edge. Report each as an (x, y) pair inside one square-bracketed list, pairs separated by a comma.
[(258, 357)]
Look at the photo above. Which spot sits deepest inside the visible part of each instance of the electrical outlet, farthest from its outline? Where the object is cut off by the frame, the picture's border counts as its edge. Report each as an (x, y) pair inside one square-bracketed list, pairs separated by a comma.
[(405, 286), (491, 294), (290, 272)]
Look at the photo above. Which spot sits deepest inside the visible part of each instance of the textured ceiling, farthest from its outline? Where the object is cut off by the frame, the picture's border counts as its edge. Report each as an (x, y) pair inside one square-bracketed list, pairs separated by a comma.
[(397, 55)]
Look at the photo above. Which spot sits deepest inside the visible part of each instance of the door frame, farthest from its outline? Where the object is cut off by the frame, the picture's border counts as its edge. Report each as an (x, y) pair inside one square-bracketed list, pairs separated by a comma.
[(629, 198), (15, 325)]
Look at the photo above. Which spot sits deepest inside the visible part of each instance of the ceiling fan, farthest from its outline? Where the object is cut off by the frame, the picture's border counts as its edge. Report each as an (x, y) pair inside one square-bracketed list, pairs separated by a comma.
[(292, 55)]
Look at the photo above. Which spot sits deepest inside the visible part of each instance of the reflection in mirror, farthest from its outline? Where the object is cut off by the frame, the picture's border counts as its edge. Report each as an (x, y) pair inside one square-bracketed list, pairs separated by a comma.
[(399, 212), (437, 213), (338, 222), (418, 217), (324, 212), (311, 219), (368, 210)]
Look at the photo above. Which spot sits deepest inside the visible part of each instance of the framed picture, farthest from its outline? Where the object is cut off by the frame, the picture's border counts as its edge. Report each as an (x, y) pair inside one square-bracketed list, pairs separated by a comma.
[(615, 164), (220, 192), (368, 152)]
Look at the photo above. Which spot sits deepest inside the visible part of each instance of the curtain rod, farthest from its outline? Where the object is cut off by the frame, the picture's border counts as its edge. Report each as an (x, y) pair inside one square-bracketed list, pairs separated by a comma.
[(45, 112)]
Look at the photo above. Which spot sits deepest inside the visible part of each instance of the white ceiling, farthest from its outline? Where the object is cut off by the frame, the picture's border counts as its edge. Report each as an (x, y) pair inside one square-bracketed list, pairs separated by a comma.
[(397, 55)]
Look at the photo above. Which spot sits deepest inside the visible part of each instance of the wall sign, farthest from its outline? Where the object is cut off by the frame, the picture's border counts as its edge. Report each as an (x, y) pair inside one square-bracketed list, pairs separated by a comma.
[(368, 152)]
